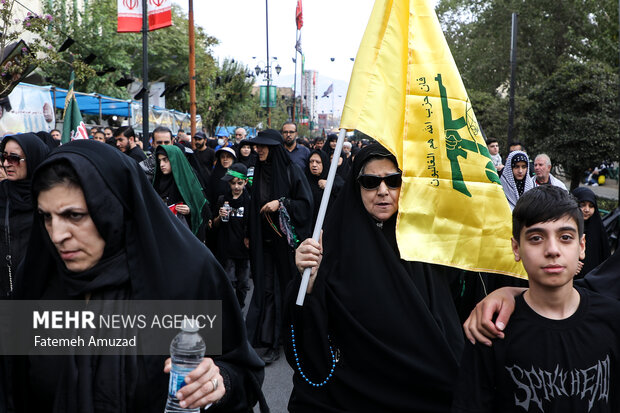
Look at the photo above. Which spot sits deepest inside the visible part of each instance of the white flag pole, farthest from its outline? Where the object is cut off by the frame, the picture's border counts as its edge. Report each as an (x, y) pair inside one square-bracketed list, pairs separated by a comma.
[(322, 210)]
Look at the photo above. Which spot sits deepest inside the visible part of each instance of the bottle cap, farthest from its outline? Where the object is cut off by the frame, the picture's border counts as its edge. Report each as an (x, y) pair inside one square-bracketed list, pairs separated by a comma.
[(190, 325)]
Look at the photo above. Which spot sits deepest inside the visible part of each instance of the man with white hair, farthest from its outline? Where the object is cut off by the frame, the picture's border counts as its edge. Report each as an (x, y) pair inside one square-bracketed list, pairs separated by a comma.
[(240, 134), (543, 176)]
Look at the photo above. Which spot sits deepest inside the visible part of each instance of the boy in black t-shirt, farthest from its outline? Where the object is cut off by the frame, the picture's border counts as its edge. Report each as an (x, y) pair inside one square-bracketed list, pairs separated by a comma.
[(561, 349), (232, 225)]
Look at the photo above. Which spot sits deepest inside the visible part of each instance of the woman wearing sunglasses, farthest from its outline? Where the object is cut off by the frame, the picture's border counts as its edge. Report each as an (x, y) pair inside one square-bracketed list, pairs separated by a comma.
[(375, 333), (20, 155)]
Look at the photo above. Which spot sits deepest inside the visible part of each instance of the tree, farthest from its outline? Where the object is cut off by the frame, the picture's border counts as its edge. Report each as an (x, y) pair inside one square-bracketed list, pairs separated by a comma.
[(229, 91), (572, 116), (549, 31), (24, 45), (120, 54)]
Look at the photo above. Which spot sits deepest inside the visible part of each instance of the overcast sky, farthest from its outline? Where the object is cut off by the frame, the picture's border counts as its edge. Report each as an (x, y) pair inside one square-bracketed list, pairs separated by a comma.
[(332, 28)]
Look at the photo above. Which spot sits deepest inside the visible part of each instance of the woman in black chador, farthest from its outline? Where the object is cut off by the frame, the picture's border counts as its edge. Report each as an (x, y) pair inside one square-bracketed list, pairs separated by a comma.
[(316, 174), (280, 212), (376, 333), (21, 154), (102, 233), (597, 243)]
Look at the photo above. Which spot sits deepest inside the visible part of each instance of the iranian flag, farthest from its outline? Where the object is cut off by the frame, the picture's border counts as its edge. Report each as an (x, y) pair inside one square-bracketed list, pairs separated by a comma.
[(130, 15), (73, 126)]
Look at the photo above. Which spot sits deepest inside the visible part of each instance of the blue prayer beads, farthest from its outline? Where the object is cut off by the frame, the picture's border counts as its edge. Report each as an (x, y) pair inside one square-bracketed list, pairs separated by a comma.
[(310, 382)]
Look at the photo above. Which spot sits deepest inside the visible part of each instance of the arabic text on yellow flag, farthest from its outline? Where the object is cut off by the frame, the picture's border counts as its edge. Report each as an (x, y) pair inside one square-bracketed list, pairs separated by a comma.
[(406, 92)]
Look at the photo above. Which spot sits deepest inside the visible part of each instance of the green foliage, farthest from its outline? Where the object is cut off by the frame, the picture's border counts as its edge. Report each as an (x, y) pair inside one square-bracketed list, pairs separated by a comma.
[(549, 31), (22, 58), (168, 53), (572, 116), (228, 99)]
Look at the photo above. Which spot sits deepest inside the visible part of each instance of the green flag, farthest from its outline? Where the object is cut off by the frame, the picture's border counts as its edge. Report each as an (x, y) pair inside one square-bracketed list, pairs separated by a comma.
[(73, 127)]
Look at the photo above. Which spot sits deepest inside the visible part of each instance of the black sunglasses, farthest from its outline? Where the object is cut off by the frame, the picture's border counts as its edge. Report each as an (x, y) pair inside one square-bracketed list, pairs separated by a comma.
[(11, 159), (370, 182)]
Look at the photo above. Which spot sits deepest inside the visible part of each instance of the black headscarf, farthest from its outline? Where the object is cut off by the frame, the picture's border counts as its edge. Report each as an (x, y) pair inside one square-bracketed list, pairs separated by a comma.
[(216, 186), (47, 139), (138, 263), (273, 180), (597, 244), (251, 159), (313, 180), (18, 192), (394, 322)]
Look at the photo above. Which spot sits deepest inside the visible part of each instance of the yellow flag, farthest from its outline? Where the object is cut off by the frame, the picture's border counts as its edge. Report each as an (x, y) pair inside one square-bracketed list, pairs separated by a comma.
[(406, 92)]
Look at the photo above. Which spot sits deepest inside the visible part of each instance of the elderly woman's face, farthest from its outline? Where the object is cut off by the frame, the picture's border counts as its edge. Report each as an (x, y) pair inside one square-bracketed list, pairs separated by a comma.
[(70, 227), (381, 202), (316, 164), (14, 161)]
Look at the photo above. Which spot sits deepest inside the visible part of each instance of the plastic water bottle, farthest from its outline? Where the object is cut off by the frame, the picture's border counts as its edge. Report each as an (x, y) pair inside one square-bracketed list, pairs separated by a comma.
[(187, 350), (228, 208)]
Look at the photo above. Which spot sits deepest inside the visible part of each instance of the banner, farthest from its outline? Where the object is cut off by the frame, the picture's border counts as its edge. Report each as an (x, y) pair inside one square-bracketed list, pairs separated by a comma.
[(28, 109), (130, 15), (406, 92), (73, 127), (272, 96)]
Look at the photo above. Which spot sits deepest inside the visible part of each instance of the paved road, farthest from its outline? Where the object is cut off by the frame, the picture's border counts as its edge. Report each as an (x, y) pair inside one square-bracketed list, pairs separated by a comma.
[(609, 190), (278, 385), (278, 382)]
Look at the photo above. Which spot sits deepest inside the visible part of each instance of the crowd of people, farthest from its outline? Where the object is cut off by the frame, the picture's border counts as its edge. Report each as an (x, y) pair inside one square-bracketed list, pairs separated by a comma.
[(113, 216)]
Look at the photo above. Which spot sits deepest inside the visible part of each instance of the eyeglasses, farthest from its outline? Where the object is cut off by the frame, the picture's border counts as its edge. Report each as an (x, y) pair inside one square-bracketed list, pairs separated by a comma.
[(370, 182), (10, 158)]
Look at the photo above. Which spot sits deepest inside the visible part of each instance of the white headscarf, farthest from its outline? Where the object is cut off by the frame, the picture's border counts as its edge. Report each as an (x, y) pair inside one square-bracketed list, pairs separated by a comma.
[(508, 178)]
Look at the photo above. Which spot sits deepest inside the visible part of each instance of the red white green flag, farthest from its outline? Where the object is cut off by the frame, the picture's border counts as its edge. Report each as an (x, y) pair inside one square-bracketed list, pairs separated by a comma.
[(73, 126)]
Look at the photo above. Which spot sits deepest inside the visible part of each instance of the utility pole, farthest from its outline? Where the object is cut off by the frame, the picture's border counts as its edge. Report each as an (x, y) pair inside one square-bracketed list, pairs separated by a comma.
[(513, 74), (145, 72), (192, 73)]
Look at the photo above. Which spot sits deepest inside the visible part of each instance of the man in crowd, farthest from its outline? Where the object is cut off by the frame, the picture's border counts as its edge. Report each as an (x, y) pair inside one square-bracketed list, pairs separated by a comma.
[(56, 134), (91, 132), (222, 141), (99, 136), (346, 149), (183, 138), (126, 142), (204, 154), (161, 136), (543, 176), (319, 142), (240, 134), (299, 154), (515, 146), (493, 146)]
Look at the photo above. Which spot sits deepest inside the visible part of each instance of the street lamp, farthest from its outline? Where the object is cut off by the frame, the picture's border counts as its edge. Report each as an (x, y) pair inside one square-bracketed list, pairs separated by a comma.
[(265, 69)]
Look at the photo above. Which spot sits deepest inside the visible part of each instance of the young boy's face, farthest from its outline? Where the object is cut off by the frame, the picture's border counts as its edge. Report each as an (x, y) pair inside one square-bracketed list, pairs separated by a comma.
[(550, 251), (236, 186)]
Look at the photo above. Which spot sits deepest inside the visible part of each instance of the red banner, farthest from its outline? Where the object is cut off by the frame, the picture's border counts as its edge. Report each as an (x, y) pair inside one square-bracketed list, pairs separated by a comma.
[(299, 17), (130, 15)]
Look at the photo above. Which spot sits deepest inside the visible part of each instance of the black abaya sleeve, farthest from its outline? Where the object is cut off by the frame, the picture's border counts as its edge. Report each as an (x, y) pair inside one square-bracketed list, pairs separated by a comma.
[(604, 278), (299, 203)]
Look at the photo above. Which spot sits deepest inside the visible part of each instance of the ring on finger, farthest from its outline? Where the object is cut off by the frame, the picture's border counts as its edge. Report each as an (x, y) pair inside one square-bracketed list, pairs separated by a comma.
[(215, 383)]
